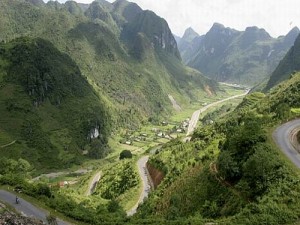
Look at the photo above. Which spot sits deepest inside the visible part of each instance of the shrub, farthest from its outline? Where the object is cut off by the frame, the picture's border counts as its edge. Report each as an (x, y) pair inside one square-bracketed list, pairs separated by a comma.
[(125, 154)]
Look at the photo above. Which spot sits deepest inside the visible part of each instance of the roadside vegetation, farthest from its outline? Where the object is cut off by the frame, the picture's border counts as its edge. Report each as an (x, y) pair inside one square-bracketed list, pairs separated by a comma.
[(231, 172)]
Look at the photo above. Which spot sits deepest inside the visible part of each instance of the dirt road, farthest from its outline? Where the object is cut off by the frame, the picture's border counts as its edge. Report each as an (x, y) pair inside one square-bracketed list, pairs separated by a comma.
[(143, 172)]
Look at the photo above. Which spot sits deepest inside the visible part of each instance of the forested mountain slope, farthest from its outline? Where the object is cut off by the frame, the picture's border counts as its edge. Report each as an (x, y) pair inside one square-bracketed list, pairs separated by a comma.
[(244, 57), (49, 112), (288, 65)]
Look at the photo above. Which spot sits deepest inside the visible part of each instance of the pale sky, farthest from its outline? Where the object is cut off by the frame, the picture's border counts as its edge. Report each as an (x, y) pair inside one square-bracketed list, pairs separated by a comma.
[(276, 16)]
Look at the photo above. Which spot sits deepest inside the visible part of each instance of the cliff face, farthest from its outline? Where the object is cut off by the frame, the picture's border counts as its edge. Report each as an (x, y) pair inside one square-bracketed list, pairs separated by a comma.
[(156, 175), (155, 29)]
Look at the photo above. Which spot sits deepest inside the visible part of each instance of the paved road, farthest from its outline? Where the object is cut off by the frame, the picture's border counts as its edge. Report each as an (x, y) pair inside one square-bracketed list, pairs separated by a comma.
[(143, 172), (283, 136), (93, 184), (196, 114), (26, 208)]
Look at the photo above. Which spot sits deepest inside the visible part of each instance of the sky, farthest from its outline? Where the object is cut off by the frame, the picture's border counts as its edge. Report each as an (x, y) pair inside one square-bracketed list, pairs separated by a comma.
[(278, 17)]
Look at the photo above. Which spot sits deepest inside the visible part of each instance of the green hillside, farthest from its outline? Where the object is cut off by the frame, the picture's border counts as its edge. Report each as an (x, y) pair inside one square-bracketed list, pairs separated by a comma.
[(231, 172), (48, 107)]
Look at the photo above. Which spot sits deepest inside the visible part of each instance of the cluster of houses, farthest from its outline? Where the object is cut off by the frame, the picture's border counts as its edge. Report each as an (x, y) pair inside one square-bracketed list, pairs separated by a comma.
[(130, 139), (158, 132)]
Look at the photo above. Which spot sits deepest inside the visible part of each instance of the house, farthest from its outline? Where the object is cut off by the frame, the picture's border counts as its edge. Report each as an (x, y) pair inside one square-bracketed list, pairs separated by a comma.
[(164, 123), (62, 184)]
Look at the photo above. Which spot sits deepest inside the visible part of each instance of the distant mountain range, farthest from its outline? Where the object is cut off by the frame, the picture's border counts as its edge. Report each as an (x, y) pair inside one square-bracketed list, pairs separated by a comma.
[(225, 54)]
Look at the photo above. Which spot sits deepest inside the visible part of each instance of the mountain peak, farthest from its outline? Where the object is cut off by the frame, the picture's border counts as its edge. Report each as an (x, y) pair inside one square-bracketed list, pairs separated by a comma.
[(256, 29), (292, 35), (293, 32), (295, 29), (189, 34), (251, 29), (254, 33), (73, 8), (105, 4), (217, 26), (126, 9)]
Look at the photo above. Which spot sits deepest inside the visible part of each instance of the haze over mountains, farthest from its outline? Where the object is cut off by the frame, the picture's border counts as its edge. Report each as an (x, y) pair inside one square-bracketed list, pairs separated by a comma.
[(225, 54)]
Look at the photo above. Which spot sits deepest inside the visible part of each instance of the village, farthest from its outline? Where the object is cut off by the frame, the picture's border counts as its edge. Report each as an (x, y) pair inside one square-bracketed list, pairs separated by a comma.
[(165, 130)]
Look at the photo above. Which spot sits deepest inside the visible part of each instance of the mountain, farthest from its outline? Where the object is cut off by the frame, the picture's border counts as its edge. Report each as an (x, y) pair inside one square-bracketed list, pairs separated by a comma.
[(101, 42), (189, 35), (156, 31), (73, 8), (99, 11), (125, 11), (244, 57), (50, 113), (177, 39), (186, 45), (288, 65)]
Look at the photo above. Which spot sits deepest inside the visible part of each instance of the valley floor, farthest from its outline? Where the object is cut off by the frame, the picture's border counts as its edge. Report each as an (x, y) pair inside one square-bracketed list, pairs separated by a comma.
[(81, 183)]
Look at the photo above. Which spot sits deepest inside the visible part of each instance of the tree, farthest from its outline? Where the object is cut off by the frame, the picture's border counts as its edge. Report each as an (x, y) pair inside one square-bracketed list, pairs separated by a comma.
[(262, 169), (113, 206), (125, 154), (283, 111)]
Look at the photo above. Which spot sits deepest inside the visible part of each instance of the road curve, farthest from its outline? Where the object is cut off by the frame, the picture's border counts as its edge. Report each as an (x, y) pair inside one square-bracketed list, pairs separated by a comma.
[(26, 208), (143, 172), (283, 138), (195, 117), (93, 183)]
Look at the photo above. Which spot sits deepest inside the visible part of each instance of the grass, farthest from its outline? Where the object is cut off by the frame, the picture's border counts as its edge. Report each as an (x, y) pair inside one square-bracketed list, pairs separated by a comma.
[(295, 110), (187, 112), (130, 198)]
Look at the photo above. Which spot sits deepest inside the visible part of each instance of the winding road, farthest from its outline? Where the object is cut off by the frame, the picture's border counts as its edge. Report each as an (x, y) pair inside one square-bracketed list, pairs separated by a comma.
[(143, 172), (195, 117), (93, 183), (26, 208), (284, 137)]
